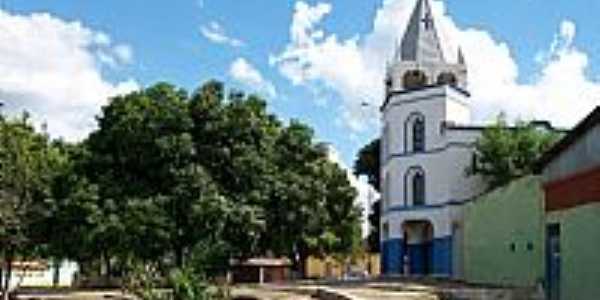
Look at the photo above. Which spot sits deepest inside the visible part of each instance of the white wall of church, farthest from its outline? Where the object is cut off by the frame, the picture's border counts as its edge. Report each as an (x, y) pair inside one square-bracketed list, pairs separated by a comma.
[(457, 110), (447, 153), (462, 186), (429, 102), (445, 175), (438, 105), (437, 217), (425, 185), (444, 161), (468, 136)]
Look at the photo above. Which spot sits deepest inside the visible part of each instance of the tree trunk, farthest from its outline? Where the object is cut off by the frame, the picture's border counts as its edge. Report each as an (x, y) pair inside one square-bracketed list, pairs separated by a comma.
[(1, 279), (179, 256), (56, 275), (6, 289), (299, 263), (107, 268), (302, 263)]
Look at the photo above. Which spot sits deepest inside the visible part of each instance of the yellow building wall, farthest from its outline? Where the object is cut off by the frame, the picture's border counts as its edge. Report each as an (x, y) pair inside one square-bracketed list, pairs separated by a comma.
[(330, 267)]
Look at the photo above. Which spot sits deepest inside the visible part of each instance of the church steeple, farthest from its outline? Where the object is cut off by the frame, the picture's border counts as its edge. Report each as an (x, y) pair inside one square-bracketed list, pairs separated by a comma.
[(419, 61), (421, 41)]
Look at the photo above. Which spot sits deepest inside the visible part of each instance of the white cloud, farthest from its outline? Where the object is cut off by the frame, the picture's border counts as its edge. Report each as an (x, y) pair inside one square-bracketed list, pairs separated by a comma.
[(123, 53), (52, 68), (114, 56), (366, 192), (245, 73), (215, 33), (102, 38), (561, 92), (354, 68)]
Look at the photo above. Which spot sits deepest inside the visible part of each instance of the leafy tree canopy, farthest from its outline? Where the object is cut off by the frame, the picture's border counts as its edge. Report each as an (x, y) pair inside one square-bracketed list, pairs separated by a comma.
[(367, 164), (168, 172), (174, 170), (368, 161), (29, 162), (505, 153)]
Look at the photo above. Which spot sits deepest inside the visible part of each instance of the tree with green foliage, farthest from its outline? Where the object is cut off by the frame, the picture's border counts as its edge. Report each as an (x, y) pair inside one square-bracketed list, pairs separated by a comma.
[(176, 181), (312, 210), (368, 164), (156, 196), (504, 153), (73, 209), (71, 212), (277, 169), (373, 239), (28, 165)]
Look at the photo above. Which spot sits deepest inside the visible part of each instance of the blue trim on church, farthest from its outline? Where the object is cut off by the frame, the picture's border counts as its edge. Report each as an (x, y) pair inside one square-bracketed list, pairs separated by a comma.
[(400, 208), (392, 93), (419, 258), (431, 258), (392, 253), (442, 256), (449, 145)]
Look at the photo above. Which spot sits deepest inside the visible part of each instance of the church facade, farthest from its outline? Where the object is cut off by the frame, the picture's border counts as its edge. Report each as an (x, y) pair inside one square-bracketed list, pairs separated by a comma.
[(427, 145)]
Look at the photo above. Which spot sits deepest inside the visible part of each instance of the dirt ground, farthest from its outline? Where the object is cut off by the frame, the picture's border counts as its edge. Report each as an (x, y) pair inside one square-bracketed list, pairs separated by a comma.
[(366, 290), (72, 295)]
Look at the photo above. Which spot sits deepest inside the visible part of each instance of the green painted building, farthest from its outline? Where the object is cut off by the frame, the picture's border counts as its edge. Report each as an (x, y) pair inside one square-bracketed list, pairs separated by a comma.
[(543, 229), (504, 240), (580, 254), (571, 179)]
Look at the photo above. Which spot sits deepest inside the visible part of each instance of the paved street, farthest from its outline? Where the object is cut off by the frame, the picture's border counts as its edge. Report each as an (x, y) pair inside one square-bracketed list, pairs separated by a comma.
[(370, 290)]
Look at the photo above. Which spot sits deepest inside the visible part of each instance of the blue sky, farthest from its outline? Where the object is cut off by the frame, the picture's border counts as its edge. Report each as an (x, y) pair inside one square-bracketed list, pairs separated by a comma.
[(520, 53)]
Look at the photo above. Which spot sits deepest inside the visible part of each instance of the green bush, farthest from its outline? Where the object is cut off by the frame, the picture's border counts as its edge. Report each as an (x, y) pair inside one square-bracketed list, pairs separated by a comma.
[(146, 283)]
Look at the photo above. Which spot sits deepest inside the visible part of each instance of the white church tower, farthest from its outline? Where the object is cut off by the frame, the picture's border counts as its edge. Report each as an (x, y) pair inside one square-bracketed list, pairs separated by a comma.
[(426, 147)]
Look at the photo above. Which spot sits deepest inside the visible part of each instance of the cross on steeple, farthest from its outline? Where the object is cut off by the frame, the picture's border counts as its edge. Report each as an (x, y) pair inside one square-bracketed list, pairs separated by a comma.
[(428, 21), (421, 42)]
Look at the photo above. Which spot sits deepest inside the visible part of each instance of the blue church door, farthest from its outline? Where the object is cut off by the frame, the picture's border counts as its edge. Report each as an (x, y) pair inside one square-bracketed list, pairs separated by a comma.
[(419, 248), (553, 262)]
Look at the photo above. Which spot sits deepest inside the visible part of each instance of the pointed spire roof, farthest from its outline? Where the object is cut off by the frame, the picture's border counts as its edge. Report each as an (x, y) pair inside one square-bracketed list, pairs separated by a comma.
[(421, 41)]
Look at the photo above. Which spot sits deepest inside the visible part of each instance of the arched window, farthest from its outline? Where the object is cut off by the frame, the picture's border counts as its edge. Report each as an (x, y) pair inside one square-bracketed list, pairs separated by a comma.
[(414, 133), (414, 187), (414, 79), (418, 189), (418, 135), (447, 78)]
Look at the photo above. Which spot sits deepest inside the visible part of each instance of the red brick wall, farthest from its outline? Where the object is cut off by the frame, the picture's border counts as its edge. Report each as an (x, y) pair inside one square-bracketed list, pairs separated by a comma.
[(579, 189)]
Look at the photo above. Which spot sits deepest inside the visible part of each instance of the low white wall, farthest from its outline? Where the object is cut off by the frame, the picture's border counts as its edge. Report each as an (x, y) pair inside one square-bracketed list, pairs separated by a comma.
[(44, 278)]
